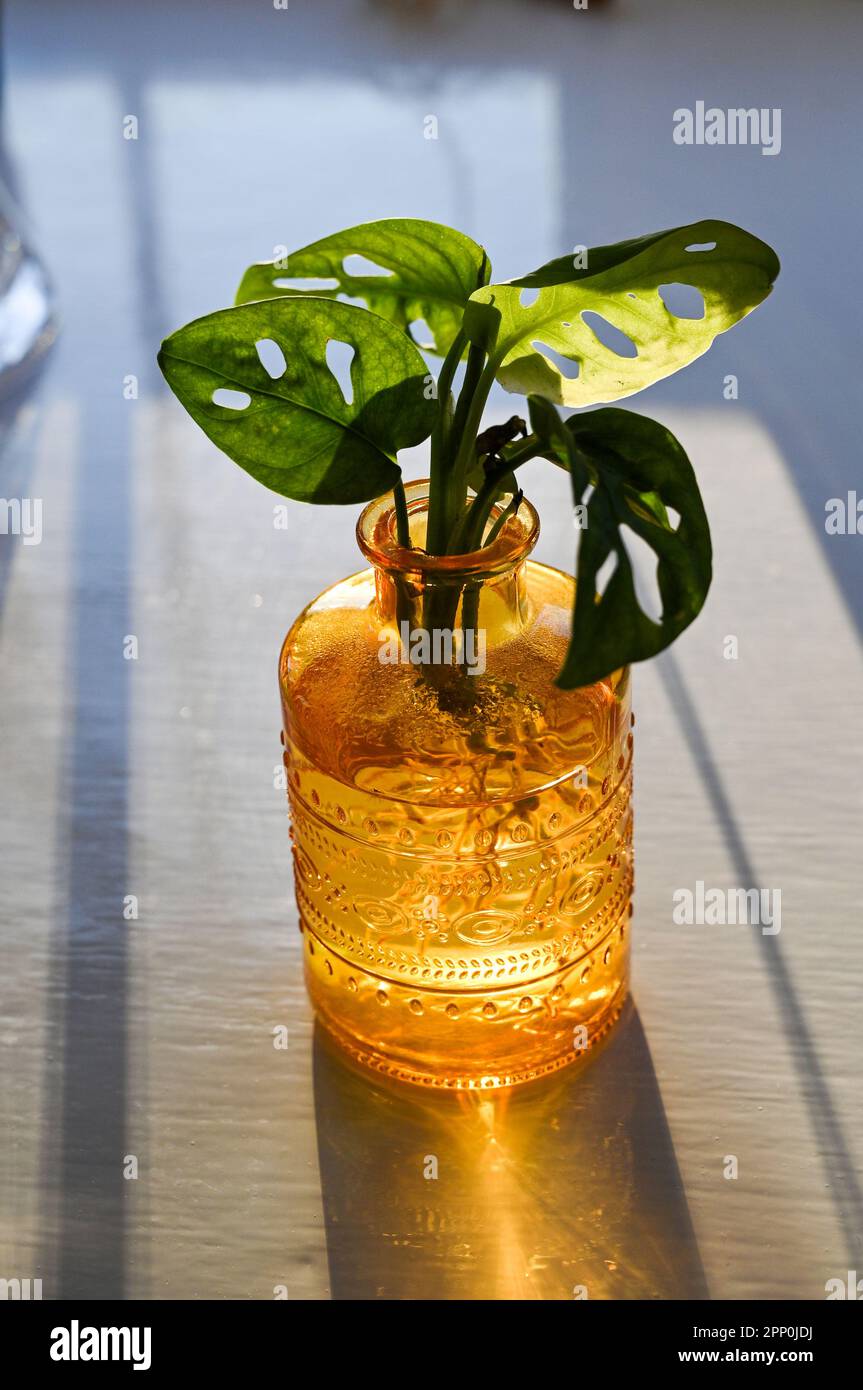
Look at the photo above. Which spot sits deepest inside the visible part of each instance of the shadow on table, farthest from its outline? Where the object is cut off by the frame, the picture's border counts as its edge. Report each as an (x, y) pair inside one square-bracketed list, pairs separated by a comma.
[(566, 1189)]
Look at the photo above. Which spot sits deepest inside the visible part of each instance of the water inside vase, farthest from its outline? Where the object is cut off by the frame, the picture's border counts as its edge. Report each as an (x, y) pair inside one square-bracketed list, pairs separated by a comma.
[(462, 845)]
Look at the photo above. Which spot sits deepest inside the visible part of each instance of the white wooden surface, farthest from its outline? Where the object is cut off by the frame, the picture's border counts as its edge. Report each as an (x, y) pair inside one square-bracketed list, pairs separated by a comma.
[(259, 1168)]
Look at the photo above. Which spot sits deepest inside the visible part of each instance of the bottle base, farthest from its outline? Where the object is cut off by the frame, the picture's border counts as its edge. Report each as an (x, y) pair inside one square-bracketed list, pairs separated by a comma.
[(539, 1055)]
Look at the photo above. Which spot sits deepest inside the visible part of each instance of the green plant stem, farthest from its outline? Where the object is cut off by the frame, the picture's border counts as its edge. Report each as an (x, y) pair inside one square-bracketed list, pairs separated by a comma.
[(439, 607), (436, 523), (447, 486), (466, 436), (457, 472), (403, 528), (403, 535), (468, 534), (470, 608), (470, 599), (509, 510)]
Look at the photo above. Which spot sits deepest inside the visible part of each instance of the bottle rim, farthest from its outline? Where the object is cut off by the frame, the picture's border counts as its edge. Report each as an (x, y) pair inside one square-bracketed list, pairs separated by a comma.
[(378, 540)]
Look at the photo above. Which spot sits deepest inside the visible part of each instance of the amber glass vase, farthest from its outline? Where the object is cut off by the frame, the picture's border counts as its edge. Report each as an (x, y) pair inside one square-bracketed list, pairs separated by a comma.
[(462, 828)]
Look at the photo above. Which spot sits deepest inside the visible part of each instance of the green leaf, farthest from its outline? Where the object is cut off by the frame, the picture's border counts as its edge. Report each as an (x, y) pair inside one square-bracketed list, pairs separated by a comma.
[(638, 470), (433, 271), (621, 285), (297, 434)]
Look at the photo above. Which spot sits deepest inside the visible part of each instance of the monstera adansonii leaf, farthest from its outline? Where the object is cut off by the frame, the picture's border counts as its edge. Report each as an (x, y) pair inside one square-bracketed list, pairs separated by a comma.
[(609, 318), (636, 472), (431, 273), (290, 424)]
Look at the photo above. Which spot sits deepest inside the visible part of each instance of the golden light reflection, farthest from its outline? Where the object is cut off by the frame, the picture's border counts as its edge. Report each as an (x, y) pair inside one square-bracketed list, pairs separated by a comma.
[(565, 1189)]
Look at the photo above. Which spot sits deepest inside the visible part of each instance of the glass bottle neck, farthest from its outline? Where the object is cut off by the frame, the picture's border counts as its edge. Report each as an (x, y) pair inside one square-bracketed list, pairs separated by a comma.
[(447, 609), (497, 606)]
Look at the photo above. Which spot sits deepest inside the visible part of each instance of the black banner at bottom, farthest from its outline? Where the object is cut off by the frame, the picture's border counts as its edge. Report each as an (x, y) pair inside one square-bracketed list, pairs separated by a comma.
[(155, 1337)]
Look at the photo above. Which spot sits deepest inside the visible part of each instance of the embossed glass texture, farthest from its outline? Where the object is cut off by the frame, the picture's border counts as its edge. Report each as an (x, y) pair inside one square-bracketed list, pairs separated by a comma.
[(462, 842)]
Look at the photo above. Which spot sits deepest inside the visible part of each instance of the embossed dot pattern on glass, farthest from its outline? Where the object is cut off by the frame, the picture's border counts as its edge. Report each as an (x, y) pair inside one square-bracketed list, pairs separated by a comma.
[(462, 843)]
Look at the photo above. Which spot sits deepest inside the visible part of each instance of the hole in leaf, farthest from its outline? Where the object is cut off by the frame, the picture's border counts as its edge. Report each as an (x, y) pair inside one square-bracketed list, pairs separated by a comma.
[(528, 297), (271, 357), (683, 301), (567, 366), (339, 359), (420, 332), (645, 563), (231, 400), (351, 299), (605, 571), (303, 282), (673, 518), (356, 264), (701, 246), (609, 334)]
